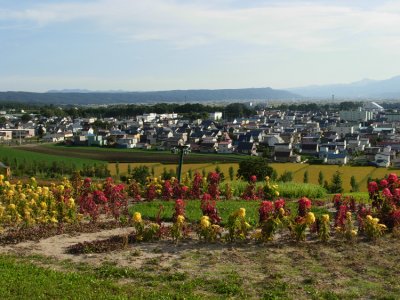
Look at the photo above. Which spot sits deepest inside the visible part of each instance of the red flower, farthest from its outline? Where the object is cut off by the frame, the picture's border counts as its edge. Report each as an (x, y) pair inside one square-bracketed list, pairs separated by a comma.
[(392, 178), (373, 187), (386, 193), (304, 205), (253, 178), (383, 183), (265, 211), (280, 203)]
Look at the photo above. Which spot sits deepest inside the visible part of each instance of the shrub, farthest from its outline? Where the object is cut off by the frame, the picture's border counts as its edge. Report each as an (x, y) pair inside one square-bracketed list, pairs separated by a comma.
[(257, 166)]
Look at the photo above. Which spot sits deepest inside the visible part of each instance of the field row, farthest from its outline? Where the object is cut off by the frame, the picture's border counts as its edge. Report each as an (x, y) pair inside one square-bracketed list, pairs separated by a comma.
[(360, 173)]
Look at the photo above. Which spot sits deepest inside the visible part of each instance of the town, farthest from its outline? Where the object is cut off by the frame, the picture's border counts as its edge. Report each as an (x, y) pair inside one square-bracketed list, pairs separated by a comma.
[(366, 134)]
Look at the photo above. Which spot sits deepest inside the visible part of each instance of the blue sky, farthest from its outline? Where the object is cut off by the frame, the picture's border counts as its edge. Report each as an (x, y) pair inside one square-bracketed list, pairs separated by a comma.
[(176, 44)]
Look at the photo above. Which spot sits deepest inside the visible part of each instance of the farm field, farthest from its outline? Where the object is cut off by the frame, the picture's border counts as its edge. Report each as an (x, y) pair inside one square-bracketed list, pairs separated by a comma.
[(128, 155), (196, 162), (361, 173), (20, 154)]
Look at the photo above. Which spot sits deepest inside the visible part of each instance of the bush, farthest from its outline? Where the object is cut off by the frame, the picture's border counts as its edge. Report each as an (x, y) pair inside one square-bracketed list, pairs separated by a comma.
[(140, 174), (257, 166)]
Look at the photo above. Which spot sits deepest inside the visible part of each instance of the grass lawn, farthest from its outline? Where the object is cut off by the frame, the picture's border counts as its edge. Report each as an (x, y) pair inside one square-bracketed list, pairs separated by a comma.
[(276, 270)]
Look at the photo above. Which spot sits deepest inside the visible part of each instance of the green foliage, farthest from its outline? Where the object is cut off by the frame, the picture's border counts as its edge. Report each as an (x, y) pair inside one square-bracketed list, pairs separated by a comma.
[(294, 190), (287, 176), (140, 174), (257, 166), (336, 185), (354, 185), (25, 163), (231, 173), (321, 178), (305, 177)]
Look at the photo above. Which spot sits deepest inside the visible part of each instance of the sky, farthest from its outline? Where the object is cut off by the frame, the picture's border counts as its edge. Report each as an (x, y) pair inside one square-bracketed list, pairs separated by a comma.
[(143, 45)]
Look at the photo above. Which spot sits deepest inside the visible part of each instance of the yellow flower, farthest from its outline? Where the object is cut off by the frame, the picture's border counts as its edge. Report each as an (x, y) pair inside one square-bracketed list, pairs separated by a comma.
[(281, 211), (204, 223), (53, 220), (12, 206), (382, 226), (348, 214), (375, 221), (257, 234), (215, 227), (71, 202), (180, 219), (266, 178), (277, 193), (137, 217), (242, 212), (369, 217), (1, 177), (43, 205), (310, 218), (22, 196), (325, 218), (33, 179), (353, 232), (61, 188), (247, 225)]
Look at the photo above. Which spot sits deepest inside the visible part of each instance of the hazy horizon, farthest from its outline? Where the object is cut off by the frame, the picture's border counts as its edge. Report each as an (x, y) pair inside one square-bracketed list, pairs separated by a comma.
[(159, 45)]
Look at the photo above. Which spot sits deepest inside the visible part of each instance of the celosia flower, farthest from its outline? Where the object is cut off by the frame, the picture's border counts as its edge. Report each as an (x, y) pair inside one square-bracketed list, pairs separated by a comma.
[(372, 187), (325, 218), (242, 212), (137, 217), (253, 178), (386, 193), (205, 222), (280, 203), (180, 219), (310, 218), (383, 183), (392, 178)]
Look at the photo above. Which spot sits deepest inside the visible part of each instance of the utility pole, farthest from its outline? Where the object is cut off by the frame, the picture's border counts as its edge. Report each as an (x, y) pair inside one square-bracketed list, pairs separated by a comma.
[(181, 149)]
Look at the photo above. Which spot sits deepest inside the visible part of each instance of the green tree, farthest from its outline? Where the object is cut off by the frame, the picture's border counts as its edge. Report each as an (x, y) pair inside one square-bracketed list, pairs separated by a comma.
[(257, 166), (321, 178), (305, 177), (336, 185), (231, 173), (354, 184)]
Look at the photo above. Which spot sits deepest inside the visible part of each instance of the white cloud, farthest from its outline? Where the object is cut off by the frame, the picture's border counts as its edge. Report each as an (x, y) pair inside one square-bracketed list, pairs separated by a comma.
[(298, 25)]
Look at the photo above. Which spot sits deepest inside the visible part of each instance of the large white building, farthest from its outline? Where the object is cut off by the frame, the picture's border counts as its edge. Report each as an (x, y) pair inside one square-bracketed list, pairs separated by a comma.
[(356, 115)]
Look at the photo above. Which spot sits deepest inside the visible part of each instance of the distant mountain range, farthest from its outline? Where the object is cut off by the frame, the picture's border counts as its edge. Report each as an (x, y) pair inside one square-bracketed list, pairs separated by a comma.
[(110, 97), (366, 88)]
